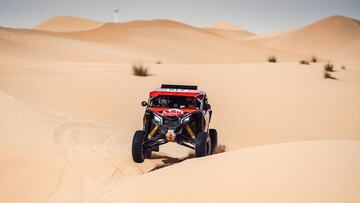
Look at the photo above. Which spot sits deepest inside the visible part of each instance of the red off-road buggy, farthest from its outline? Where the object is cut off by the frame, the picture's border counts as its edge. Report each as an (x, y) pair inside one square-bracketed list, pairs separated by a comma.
[(175, 113)]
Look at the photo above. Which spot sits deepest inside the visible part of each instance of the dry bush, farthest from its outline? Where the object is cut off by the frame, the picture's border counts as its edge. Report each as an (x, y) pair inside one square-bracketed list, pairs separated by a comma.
[(272, 59), (314, 59), (158, 62), (304, 62), (140, 70), (329, 67), (343, 67)]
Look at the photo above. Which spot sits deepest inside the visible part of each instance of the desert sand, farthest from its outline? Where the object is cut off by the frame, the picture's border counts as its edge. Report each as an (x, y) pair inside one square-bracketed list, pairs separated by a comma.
[(69, 106)]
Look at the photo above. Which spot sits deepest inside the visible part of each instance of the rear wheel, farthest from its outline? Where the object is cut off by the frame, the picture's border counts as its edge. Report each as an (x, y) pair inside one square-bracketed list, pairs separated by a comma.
[(138, 146), (214, 139), (149, 152), (202, 144)]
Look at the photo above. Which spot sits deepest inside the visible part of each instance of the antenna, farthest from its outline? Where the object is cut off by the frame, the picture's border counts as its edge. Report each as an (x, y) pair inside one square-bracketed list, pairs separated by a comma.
[(116, 15)]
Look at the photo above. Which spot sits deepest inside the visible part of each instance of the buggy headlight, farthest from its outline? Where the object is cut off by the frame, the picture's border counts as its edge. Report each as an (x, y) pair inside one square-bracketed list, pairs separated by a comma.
[(185, 119), (157, 119)]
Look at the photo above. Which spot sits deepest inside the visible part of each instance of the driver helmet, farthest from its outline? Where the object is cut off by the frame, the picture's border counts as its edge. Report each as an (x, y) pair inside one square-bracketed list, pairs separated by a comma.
[(164, 102)]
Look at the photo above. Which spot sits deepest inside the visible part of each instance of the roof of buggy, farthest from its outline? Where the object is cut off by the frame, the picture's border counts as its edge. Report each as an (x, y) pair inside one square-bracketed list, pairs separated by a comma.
[(177, 90)]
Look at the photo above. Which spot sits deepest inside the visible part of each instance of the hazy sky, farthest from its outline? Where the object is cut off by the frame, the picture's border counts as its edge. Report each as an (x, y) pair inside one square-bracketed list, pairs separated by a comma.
[(259, 16)]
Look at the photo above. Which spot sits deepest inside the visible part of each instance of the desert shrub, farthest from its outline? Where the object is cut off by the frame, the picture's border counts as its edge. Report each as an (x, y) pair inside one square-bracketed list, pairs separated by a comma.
[(158, 62), (272, 59), (140, 70), (343, 67), (329, 67), (314, 59), (304, 62)]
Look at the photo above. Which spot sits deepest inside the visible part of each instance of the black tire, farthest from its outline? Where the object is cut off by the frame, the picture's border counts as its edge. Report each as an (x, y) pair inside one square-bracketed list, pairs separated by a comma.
[(138, 148), (202, 144), (214, 139)]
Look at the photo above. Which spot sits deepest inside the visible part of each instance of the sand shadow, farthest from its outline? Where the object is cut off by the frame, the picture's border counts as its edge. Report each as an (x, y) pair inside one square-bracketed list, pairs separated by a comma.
[(169, 161), (331, 77)]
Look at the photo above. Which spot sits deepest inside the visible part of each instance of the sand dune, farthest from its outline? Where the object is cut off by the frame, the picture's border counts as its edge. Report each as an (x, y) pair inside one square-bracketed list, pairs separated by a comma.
[(174, 42), (226, 26), (57, 157), (230, 31), (320, 38), (42, 45), (232, 34), (310, 125), (156, 40), (67, 24), (265, 39), (348, 52), (323, 171)]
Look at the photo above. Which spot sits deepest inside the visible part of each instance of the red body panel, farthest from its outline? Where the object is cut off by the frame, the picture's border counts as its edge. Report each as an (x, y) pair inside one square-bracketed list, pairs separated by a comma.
[(161, 110), (171, 92)]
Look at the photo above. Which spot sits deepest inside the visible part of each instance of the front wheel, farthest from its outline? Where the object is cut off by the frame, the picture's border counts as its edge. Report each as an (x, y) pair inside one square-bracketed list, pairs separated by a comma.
[(138, 146), (202, 144)]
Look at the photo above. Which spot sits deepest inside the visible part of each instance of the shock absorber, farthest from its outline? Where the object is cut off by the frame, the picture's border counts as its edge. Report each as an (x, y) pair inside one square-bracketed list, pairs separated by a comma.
[(190, 131), (153, 131)]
